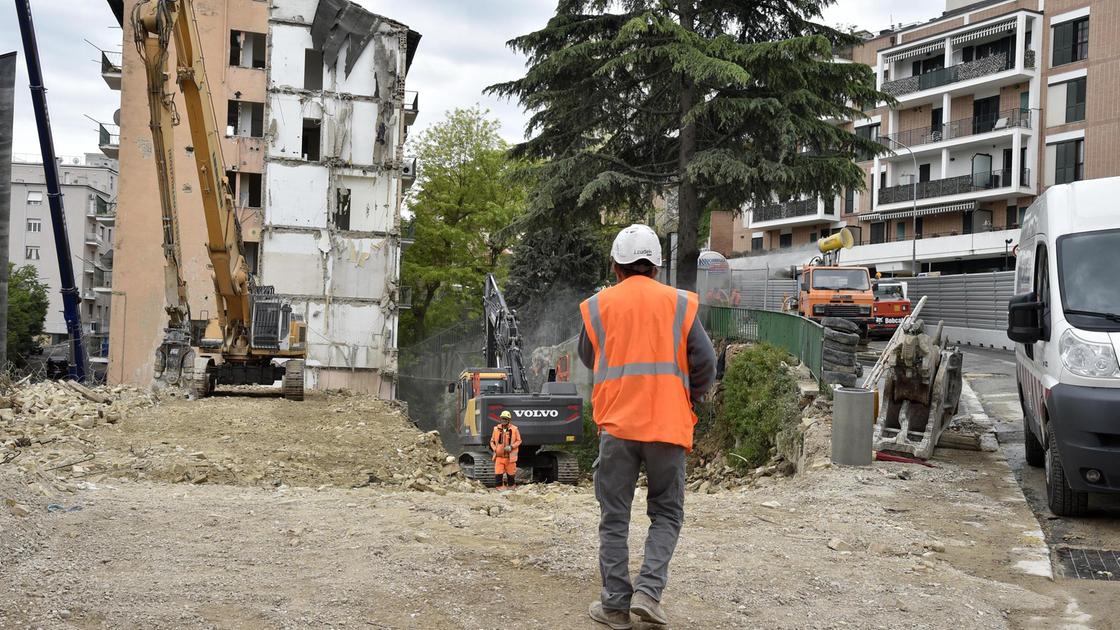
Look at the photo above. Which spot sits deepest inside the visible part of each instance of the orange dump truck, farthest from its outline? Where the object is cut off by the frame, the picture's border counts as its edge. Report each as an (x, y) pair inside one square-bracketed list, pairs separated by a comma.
[(844, 292)]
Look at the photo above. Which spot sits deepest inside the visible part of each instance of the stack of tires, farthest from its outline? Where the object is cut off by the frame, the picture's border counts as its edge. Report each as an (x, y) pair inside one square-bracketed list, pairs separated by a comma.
[(838, 361)]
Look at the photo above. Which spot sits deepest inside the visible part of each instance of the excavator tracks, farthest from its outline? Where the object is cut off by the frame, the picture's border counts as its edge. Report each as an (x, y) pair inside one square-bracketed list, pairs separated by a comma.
[(480, 468), (292, 385), (567, 468)]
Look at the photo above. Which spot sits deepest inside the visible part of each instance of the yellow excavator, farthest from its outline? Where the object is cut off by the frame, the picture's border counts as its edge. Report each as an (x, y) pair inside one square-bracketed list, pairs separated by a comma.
[(254, 337)]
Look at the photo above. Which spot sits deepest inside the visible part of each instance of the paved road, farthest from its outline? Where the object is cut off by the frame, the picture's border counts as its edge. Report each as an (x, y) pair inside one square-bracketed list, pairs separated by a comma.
[(991, 374)]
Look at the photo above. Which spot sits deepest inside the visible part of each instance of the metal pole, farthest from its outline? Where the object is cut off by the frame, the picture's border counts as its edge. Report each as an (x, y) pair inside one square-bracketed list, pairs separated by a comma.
[(7, 115), (914, 195), (71, 301)]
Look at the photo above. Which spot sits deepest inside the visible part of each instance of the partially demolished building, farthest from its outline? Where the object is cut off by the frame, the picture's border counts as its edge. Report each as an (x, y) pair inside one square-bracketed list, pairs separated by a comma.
[(317, 116)]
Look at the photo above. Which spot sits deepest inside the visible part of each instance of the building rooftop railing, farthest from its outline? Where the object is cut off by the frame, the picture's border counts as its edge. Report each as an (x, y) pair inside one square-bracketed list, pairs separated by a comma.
[(785, 210)]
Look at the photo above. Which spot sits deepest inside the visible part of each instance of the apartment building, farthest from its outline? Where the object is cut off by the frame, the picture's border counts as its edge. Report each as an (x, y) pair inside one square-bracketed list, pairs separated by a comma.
[(996, 100), (316, 118), (89, 186)]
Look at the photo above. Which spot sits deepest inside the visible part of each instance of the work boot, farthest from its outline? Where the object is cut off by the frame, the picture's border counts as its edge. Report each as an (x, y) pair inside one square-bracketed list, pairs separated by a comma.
[(614, 619), (648, 609)]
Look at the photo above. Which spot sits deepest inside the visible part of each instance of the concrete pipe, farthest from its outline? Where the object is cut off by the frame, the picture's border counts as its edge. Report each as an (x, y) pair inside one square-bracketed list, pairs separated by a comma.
[(853, 425)]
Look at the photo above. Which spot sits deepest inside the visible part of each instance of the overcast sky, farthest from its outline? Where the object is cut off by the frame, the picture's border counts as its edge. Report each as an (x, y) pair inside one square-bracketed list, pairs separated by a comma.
[(462, 51)]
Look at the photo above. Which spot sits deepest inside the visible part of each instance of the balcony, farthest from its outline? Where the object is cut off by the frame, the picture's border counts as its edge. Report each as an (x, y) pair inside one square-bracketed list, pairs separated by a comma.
[(93, 239), (963, 128), (408, 172), (404, 298), (894, 255), (408, 233), (953, 74), (952, 186), (411, 106), (103, 281), (108, 141), (795, 212), (110, 70)]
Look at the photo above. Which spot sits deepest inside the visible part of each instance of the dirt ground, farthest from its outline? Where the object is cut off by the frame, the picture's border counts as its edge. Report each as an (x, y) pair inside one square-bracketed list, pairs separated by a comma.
[(255, 512)]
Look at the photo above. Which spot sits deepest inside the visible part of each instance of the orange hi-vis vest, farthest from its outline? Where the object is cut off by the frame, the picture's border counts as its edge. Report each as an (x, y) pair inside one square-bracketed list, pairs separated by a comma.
[(639, 329), (503, 437)]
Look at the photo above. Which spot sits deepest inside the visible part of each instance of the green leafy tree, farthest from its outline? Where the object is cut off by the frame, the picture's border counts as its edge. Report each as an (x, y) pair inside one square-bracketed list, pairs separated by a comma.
[(721, 100), (553, 268), (463, 201), (27, 311)]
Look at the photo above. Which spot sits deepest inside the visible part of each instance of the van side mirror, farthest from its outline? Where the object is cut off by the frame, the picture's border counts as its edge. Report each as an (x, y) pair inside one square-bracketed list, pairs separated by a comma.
[(451, 387), (1024, 319)]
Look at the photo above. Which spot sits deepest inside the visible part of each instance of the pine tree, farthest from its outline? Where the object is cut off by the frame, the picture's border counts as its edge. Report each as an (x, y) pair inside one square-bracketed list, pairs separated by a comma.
[(725, 101)]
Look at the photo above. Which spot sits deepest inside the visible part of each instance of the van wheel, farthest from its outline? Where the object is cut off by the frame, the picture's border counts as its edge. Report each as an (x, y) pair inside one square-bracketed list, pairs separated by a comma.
[(1036, 454), (1060, 498)]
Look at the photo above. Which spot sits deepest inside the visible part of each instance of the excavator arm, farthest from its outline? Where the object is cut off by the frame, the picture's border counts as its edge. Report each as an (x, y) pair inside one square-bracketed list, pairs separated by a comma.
[(503, 341), (156, 23)]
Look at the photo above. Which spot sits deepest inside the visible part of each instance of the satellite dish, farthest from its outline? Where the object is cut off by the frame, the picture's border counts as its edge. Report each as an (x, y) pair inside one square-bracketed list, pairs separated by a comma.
[(117, 117)]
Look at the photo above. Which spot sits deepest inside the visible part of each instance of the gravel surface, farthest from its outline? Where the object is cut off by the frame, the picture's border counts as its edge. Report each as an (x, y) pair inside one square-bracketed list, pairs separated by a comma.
[(266, 529)]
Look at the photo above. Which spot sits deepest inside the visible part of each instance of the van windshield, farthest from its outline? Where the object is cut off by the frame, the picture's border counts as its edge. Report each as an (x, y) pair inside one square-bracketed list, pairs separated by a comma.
[(841, 279), (1087, 269)]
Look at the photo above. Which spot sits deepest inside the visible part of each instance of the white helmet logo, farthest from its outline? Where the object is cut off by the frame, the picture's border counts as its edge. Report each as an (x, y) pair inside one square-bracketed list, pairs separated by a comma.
[(635, 243)]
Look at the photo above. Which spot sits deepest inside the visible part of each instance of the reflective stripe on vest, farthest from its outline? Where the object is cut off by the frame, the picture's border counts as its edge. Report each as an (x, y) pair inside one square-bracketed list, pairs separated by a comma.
[(603, 373)]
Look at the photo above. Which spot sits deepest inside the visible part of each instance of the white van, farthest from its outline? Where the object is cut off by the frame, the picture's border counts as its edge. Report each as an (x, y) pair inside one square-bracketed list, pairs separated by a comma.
[(1065, 320)]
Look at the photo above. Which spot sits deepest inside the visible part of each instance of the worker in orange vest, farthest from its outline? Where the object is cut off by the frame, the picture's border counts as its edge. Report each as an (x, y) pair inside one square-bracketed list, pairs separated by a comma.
[(504, 441), (651, 360)]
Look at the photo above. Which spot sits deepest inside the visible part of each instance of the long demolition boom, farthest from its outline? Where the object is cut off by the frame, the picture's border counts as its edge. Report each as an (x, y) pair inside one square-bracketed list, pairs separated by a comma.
[(155, 24)]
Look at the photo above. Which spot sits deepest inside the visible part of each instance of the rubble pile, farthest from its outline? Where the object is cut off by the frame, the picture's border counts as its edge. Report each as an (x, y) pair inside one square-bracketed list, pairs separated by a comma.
[(55, 411), (426, 467)]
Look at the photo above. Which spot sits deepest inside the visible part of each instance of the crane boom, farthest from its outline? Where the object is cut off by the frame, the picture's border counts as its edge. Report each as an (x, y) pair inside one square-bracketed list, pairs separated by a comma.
[(155, 24), (503, 340)]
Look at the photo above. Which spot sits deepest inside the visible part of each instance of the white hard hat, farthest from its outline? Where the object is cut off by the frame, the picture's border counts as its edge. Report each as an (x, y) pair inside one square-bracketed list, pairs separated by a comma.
[(635, 243)]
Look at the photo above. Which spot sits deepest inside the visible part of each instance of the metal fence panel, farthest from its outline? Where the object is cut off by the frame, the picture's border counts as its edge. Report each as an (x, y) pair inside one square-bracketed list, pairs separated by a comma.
[(977, 300), (800, 337)]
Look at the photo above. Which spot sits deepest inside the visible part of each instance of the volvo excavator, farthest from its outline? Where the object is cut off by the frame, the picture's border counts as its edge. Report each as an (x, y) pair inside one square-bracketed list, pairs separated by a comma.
[(553, 416), (253, 337)]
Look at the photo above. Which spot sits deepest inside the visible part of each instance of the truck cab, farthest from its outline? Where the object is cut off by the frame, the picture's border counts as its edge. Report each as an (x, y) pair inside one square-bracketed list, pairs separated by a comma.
[(892, 305), (1065, 321), (830, 291)]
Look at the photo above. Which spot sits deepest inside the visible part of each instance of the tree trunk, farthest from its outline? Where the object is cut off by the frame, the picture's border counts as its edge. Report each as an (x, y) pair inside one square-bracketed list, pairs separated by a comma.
[(7, 110), (688, 204)]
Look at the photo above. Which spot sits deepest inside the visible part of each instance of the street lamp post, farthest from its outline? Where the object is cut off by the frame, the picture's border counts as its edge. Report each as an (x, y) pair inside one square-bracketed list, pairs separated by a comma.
[(914, 195)]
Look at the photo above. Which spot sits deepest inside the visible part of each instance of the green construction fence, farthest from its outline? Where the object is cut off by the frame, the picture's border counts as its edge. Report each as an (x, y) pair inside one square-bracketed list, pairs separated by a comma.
[(802, 338)]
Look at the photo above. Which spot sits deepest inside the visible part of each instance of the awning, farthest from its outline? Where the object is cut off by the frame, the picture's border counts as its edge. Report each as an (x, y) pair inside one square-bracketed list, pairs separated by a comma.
[(1002, 27), (921, 212), (915, 52)]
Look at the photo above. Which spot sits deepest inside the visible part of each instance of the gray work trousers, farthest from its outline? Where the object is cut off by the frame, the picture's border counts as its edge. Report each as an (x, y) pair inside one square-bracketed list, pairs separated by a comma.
[(616, 476)]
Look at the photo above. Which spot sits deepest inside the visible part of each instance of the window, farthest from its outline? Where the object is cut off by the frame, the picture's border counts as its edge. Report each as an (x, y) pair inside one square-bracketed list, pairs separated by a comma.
[(245, 118), (833, 279), (341, 216), (1011, 219), (1075, 100), (900, 231), (31, 252), (850, 201), (925, 66), (785, 241), (918, 227), (251, 252), (1071, 42), (251, 193), (34, 198), (231, 180), (756, 244), (1025, 103), (868, 132), (311, 139), (34, 225), (246, 50), (966, 221), (878, 232), (812, 237), (312, 69), (1069, 164)]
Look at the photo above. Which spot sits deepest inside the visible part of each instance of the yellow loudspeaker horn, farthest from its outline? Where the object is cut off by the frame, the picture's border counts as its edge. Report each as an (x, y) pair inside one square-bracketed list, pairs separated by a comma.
[(840, 240)]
